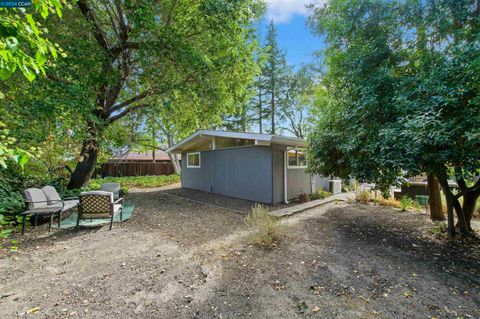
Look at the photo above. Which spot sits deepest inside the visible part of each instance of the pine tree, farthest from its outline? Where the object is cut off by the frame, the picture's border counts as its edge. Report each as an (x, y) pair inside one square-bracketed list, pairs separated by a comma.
[(274, 74)]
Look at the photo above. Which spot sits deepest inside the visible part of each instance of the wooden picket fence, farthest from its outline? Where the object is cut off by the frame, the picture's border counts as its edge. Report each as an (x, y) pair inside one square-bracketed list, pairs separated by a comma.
[(135, 169)]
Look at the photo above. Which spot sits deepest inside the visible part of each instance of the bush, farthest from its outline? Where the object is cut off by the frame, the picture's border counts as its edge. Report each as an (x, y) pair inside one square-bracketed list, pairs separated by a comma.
[(320, 194), (135, 181), (363, 197), (392, 202), (303, 197), (268, 231), (407, 202)]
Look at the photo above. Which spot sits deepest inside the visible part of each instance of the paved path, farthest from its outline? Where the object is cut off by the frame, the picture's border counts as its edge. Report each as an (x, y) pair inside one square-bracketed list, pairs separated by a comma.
[(314, 203)]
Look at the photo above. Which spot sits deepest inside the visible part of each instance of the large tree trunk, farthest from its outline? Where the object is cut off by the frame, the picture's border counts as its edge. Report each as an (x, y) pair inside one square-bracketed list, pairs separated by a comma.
[(174, 157), (435, 199), (176, 163), (449, 198), (469, 205), (86, 164)]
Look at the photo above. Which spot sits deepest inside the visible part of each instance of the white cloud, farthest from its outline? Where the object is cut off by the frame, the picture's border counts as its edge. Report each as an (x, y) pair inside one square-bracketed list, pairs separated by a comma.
[(281, 11)]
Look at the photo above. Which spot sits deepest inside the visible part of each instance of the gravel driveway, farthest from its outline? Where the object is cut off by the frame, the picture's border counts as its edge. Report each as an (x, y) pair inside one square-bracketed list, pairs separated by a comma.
[(179, 259)]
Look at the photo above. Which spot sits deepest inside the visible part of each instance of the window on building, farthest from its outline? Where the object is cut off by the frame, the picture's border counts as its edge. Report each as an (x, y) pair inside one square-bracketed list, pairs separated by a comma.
[(193, 160), (296, 159)]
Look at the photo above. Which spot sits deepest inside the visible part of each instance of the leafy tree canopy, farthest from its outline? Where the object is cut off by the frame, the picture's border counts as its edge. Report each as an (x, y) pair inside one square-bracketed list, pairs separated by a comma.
[(401, 94)]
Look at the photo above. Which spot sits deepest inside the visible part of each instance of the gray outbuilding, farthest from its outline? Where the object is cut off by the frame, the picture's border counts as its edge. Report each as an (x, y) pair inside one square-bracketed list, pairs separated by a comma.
[(258, 167)]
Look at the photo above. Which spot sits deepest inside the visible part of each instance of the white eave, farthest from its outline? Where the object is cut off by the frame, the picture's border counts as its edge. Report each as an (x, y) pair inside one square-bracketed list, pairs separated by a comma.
[(260, 139)]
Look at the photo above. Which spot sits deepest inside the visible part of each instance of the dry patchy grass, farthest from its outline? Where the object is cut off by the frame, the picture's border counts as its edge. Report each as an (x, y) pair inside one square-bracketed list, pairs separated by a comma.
[(268, 230)]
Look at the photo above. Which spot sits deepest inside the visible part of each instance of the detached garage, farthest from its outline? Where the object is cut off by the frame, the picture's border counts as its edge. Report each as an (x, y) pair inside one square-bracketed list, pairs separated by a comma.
[(258, 167)]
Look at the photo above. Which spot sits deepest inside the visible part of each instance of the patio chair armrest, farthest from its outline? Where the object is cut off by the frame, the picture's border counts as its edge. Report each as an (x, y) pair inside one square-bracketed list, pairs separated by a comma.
[(119, 201), (71, 198), (41, 201)]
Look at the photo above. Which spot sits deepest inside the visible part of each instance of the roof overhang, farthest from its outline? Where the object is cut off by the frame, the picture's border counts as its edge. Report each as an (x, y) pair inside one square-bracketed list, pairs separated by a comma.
[(203, 136)]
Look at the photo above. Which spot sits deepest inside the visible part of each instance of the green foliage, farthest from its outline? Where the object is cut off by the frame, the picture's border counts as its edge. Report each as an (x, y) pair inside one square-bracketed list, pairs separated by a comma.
[(8, 151), (400, 95), (23, 42), (267, 229), (135, 181), (274, 74), (320, 194), (407, 202), (397, 106)]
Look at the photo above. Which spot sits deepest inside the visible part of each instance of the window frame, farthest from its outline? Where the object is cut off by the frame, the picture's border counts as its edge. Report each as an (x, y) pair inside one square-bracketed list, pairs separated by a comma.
[(199, 160), (296, 157)]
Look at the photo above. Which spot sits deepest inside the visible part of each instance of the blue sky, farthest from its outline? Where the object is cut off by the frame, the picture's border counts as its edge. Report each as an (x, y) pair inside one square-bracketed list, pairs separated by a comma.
[(294, 36)]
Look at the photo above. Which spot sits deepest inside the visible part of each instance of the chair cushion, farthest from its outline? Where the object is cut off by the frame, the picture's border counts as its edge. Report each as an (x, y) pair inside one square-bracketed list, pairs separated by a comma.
[(98, 193), (51, 194), (67, 205), (33, 195)]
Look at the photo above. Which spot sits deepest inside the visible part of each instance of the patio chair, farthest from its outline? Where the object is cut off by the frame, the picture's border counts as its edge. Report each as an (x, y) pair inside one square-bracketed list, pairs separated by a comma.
[(46, 202), (113, 188), (99, 205)]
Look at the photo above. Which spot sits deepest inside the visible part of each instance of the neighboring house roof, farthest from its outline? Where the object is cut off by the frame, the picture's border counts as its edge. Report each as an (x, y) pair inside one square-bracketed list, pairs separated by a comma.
[(259, 139), (144, 156)]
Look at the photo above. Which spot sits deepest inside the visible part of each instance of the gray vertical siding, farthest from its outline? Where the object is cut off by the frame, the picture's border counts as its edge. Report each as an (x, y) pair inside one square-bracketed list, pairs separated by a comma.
[(198, 178), (298, 181), (254, 173), (244, 172), (278, 153)]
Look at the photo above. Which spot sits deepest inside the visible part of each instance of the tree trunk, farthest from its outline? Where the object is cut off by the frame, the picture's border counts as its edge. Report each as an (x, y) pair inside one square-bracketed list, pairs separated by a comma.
[(86, 164), (461, 220), (175, 163), (435, 199), (449, 198), (260, 110), (469, 205), (174, 157), (273, 113)]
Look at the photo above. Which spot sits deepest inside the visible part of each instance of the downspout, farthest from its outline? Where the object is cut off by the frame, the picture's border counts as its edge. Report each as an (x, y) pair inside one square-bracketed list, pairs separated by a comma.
[(285, 158)]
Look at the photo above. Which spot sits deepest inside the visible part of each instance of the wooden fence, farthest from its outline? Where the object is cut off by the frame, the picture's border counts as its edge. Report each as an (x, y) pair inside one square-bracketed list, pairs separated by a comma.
[(135, 169)]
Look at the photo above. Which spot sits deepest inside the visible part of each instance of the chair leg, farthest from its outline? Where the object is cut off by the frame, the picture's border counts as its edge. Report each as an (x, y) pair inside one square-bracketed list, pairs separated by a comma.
[(59, 219), (78, 222), (121, 214), (111, 221), (24, 223), (35, 222)]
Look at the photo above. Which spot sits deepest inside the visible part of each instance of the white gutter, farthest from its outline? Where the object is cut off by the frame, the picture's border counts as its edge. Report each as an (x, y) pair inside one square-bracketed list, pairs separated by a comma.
[(285, 189)]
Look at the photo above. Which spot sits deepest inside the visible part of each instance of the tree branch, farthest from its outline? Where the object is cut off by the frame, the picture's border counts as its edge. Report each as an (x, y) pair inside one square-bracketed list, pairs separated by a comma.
[(58, 79), (134, 99), (97, 31), (125, 112)]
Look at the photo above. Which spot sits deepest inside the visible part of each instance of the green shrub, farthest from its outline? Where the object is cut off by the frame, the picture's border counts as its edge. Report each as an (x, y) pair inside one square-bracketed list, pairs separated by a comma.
[(135, 181), (267, 229), (320, 194), (407, 203)]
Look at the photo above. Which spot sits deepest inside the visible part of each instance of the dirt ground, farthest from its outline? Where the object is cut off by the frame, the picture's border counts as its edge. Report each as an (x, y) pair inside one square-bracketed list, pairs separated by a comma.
[(180, 259)]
